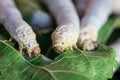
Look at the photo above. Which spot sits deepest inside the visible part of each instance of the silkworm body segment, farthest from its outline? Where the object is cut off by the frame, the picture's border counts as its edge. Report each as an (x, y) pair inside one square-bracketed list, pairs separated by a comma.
[(17, 27), (96, 15), (66, 34)]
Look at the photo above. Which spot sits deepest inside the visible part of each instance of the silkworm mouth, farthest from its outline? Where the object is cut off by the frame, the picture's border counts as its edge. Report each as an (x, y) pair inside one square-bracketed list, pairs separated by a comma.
[(58, 49)]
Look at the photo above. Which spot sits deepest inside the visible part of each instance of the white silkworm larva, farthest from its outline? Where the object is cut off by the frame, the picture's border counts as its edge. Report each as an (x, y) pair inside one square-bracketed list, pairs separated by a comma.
[(17, 27), (66, 34), (96, 15)]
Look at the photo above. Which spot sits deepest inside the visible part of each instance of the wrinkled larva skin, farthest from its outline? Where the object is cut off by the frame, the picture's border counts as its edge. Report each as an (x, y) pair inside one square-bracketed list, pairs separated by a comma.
[(25, 37), (18, 28), (66, 34), (96, 15), (87, 39), (65, 37)]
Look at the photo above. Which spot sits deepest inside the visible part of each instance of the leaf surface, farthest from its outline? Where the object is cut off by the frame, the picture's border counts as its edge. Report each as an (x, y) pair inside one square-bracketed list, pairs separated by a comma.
[(71, 65), (107, 29)]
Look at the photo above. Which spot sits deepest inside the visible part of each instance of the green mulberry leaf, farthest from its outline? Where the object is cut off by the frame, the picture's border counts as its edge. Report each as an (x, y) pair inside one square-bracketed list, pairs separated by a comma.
[(71, 65), (108, 28)]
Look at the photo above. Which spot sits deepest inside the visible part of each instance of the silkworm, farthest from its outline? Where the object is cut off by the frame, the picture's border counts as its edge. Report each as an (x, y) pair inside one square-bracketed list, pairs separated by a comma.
[(66, 34), (39, 20), (96, 15), (17, 27)]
